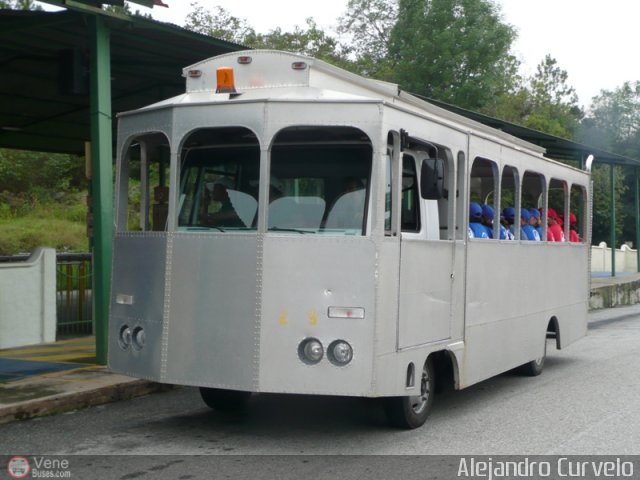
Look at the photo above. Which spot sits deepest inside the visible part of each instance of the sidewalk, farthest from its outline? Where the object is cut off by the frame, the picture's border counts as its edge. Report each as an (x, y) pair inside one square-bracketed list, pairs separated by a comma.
[(58, 377)]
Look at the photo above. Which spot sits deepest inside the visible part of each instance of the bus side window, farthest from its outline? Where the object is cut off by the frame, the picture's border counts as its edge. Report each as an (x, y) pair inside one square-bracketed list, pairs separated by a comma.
[(143, 192), (482, 190), (577, 218), (410, 209)]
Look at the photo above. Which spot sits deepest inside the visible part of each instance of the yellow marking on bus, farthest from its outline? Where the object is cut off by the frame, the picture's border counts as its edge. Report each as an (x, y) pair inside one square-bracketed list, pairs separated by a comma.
[(283, 318), (313, 318)]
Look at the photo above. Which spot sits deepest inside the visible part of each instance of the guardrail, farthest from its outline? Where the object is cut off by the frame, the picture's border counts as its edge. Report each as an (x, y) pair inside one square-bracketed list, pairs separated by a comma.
[(73, 294)]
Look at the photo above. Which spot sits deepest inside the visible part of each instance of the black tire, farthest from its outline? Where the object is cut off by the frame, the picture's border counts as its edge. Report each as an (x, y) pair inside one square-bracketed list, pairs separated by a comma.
[(225, 400), (411, 412), (534, 367)]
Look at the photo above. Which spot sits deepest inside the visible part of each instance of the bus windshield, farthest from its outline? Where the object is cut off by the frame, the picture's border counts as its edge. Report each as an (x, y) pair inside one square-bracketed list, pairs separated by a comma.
[(316, 185)]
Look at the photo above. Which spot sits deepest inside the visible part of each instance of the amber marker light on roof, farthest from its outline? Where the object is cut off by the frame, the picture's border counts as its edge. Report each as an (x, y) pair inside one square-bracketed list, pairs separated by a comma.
[(195, 73), (226, 84), (244, 60), (299, 65)]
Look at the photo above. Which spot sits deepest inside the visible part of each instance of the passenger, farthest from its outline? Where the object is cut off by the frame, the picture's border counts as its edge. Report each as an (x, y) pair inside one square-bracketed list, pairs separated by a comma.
[(509, 215), (226, 215), (554, 230), (573, 229), (476, 228), (536, 222), (487, 217), (528, 231), (351, 184), (505, 227)]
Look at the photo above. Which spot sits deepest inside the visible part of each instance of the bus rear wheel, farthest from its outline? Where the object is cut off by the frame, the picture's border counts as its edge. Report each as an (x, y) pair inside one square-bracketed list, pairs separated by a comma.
[(225, 400), (412, 411)]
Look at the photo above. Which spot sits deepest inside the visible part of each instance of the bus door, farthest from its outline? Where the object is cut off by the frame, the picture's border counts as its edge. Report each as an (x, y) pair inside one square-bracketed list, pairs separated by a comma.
[(426, 260)]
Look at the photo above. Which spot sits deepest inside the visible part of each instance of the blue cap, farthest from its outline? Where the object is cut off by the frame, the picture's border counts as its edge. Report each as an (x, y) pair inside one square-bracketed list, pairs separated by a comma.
[(534, 212), (475, 211), (524, 213), (487, 211), (509, 214)]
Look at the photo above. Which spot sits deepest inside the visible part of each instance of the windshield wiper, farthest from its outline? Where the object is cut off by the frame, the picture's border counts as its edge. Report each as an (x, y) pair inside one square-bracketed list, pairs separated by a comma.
[(200, 228), (296, 230)]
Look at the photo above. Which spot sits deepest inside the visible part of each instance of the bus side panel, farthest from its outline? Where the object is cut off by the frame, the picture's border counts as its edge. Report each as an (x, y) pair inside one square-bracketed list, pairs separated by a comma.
[(572, 317), (303, 276), (425, 291), (505, 280), (137, 300), (212, 327)]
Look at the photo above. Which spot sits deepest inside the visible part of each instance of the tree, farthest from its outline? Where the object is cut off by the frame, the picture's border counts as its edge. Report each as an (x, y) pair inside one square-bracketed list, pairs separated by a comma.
[(20, 5), (456, 51), (601, 227), (311, 40), (615, 119), (543, 102), (219, 24), (613, 124), (367, 25)]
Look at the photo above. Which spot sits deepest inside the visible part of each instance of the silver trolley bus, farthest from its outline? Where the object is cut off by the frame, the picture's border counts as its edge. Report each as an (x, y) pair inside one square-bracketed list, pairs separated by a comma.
[(286, 226)]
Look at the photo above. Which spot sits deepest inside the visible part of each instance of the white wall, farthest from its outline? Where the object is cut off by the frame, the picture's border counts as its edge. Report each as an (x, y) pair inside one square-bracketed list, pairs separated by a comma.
[(626, 259), (28, 300)]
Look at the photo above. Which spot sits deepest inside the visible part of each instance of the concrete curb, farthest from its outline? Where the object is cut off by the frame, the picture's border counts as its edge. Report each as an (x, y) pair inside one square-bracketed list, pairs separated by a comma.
[(67, 401), (614, 295)]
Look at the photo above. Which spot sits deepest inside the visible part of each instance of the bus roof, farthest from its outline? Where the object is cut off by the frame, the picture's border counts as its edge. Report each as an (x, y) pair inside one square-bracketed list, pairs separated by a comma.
[(277, 75)]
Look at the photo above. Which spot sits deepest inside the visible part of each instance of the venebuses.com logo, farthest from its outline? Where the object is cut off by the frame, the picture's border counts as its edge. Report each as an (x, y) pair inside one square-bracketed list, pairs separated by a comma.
[(18, 467)]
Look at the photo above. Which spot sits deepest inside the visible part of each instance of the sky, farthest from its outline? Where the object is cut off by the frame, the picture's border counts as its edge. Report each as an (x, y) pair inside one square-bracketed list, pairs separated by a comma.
[(591, 39)]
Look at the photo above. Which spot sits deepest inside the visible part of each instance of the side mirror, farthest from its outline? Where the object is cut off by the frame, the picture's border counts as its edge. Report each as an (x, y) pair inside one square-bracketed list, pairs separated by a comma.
[(432, 179)]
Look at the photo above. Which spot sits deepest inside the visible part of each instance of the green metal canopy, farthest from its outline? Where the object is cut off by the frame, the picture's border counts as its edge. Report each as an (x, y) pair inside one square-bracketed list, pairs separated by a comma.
[(557, 148), (44, 72)]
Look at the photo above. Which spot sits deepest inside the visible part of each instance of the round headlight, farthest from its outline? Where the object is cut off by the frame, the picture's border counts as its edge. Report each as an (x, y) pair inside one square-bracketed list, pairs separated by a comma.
[(138, 337), (340, 353), (310, 351), (124, 338)]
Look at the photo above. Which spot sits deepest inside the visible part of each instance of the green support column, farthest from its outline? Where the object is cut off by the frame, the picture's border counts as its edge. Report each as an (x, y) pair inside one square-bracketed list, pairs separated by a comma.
[(612, 215), (101, 182)]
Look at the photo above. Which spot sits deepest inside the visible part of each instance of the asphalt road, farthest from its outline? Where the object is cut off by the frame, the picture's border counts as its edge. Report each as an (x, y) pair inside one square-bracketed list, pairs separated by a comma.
[(587, 401)]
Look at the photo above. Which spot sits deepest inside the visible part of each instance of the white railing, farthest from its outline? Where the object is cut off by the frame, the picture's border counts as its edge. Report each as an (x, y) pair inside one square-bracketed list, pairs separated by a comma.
[(626, 258), (28, 300)]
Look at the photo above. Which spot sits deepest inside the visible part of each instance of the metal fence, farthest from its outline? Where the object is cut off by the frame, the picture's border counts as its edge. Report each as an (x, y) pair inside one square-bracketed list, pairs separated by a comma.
[(73, 294)]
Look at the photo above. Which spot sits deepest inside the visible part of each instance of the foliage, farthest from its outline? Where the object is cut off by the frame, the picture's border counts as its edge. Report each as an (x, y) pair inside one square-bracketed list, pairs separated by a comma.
[(601, 228), (219, 24), (26, 224), (543, 102), (613, 124), (20, 5), (125, 10), (367, 24), (312, 40), (456, 51), (41, 174)]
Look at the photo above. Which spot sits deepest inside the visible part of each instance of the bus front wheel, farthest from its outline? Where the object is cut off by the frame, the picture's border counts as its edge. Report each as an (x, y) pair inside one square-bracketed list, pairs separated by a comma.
[(224, 400), (534, 367), (412, 411)]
